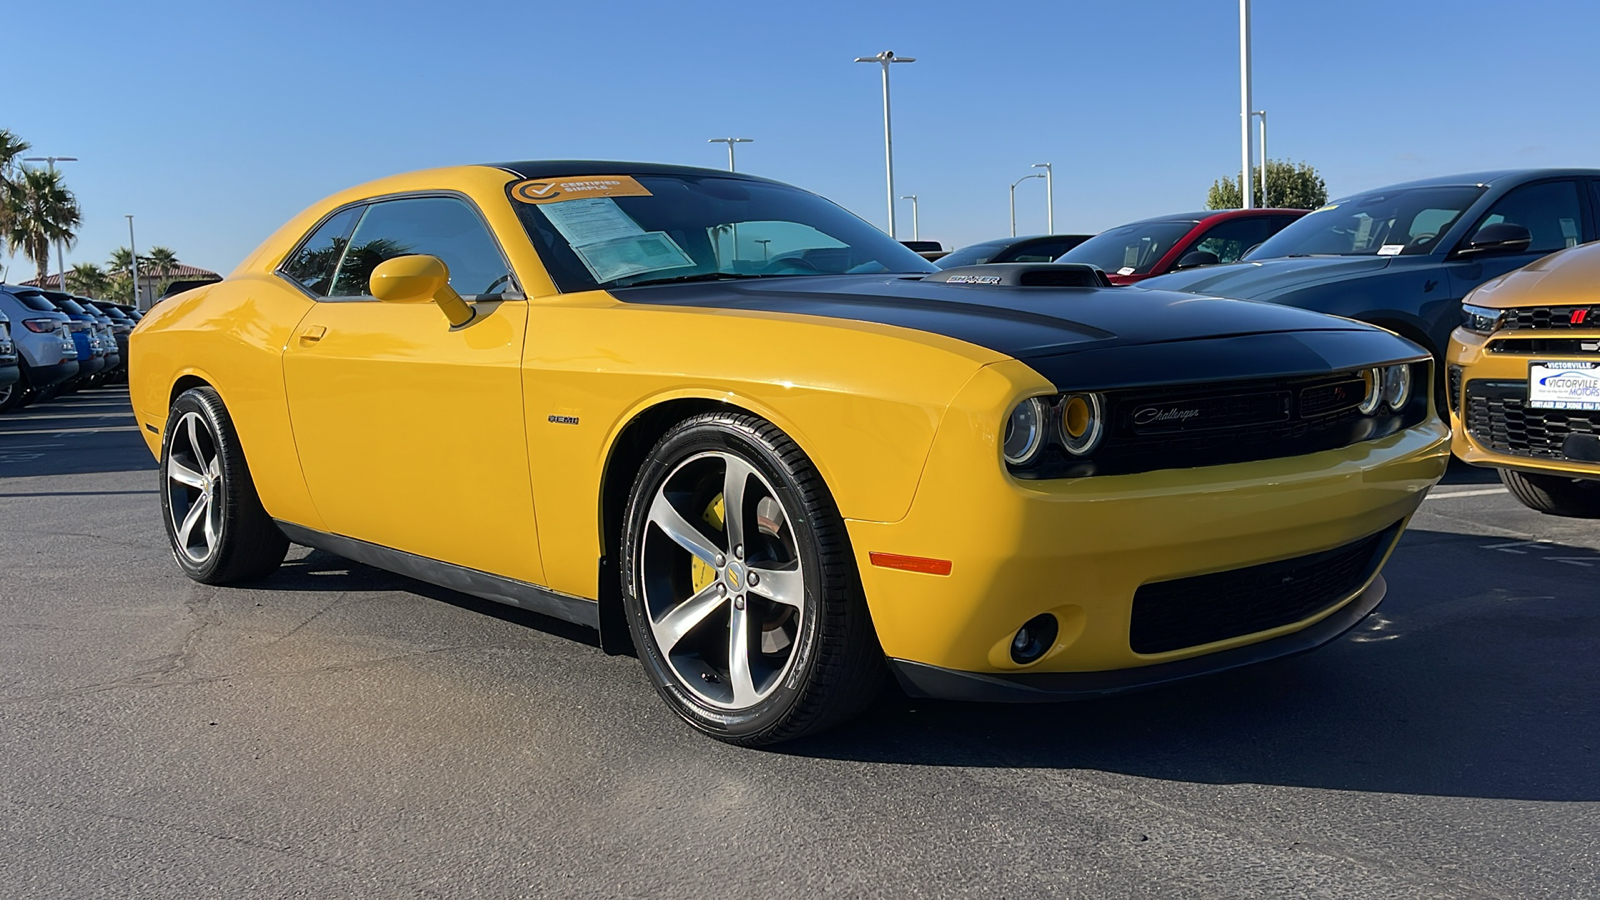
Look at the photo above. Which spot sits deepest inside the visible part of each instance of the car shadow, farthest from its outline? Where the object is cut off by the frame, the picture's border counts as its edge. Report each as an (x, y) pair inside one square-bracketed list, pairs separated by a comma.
[(319, 570), (1474, 679)]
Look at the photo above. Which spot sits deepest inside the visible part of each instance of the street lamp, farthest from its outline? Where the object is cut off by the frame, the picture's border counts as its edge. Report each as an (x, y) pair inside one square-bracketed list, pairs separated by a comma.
[(1263, 116), (61, 251), (1014, 200), (916, 230), (730, 142), (1244, 102), (885, 59), (133, 257), (1049, 197)]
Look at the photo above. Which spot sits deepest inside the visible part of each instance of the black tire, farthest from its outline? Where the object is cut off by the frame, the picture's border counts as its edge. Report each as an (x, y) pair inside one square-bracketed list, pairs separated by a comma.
[(833, 665), (1554, 494), (240, 541)]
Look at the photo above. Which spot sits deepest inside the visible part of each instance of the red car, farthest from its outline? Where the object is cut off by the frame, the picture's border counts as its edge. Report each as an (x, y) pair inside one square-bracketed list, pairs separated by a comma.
[(1150, 247)]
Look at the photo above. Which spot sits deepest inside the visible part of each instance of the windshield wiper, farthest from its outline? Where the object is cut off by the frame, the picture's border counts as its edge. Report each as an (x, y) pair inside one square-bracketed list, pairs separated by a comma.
[(707, 276)]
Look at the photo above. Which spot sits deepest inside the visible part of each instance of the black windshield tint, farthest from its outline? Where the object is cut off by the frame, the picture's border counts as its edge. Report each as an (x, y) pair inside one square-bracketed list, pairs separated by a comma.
[(1402, 222), (1130, 250), (688, 225), (36, 302)]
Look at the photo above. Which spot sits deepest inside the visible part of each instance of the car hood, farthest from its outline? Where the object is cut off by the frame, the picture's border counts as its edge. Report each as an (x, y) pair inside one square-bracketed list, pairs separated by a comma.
[(1260, 279), (1071, 335)]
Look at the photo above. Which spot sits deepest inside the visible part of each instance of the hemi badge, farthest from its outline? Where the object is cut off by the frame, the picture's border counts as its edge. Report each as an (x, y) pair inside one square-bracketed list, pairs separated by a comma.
[(910, 563), (564, 420)]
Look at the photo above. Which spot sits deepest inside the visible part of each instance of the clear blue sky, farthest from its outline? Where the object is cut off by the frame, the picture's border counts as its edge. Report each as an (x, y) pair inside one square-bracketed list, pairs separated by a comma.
[(214, 122)]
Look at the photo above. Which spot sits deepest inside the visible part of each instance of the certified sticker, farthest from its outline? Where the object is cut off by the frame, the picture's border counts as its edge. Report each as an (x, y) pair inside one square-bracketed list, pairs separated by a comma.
[(1564, 385), (558, 190)]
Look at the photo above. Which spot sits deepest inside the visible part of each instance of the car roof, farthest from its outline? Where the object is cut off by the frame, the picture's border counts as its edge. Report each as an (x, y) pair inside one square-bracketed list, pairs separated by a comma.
[(1194, 218), (1483, 178), (568, 168)]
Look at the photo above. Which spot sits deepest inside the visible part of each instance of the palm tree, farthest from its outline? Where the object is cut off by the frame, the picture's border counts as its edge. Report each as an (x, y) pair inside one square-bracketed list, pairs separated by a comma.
[(88, 279), (119, 269), (162, 261), (40, 211), (11, 150)]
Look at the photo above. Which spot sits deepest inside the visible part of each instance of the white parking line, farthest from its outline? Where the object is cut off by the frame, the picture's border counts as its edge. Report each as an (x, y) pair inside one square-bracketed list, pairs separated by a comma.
[(1480, 492), (74, 430)]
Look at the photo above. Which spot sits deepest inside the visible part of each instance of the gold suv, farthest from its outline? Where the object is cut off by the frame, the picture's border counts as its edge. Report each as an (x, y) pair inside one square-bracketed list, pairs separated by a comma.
[(1524, 381)]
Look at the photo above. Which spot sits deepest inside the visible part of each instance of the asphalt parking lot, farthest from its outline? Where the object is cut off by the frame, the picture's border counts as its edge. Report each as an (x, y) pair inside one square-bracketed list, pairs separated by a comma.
[(338, 731)]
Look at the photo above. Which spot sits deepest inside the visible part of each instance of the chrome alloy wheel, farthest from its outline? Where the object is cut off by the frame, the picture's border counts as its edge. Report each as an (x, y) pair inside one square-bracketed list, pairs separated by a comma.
[(194, 488), (722, 582)]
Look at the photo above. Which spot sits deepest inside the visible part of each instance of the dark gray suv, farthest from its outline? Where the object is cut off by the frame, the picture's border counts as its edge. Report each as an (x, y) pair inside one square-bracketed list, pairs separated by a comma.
[(1403, 257)]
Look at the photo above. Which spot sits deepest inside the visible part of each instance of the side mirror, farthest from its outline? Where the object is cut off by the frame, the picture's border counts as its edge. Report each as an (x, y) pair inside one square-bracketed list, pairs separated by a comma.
[(1501, 237), (420, 279), (1195, 259)]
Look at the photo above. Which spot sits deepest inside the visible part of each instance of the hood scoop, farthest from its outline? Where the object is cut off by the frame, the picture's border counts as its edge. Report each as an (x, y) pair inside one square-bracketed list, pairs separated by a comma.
[(1051, 275)]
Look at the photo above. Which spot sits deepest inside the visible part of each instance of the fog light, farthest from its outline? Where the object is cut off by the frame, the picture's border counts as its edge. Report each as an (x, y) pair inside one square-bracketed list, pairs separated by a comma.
[(1034, 639)]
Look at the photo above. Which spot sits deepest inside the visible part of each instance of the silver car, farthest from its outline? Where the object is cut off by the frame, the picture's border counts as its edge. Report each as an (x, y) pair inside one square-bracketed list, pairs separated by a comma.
[(47, 354)]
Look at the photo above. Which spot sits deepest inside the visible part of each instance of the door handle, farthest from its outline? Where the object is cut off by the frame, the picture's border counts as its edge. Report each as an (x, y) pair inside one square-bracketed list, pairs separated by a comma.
[(313, 333)]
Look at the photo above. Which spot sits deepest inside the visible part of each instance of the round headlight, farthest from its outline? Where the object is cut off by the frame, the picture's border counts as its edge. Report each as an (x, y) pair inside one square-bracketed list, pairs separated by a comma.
[(1024, 432), (1372, 379), (1081, 423), (1397, 386)]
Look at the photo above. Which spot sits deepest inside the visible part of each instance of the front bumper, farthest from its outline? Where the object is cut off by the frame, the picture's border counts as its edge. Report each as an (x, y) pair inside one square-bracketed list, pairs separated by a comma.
[(1470, 360), (921, 680), (1080, 549)]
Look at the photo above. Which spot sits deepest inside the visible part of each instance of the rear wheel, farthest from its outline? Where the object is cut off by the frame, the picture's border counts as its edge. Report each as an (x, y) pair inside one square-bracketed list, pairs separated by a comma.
[(1554, 494), (219, 532), (740, 587)]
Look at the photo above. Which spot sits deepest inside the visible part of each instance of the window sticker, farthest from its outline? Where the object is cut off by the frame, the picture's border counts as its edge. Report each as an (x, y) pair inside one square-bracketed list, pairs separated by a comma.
[(560, 190), (620, 257), (590, 221), (1569, 232), (1391, 249)]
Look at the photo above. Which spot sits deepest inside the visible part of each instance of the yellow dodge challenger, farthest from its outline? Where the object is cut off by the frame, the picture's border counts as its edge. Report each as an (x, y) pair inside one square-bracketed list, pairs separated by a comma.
[(749, 437), (1524, 381)]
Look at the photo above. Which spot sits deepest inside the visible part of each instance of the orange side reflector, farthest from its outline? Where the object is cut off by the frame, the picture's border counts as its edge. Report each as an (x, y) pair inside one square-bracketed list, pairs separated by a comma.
[(910, 563)]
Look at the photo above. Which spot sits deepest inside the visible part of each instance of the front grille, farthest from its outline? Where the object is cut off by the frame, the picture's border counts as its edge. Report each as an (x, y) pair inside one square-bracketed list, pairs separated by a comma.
[(1547, 346), (1551, 317), (1498, 417), (1186, 426), (1188, 612)]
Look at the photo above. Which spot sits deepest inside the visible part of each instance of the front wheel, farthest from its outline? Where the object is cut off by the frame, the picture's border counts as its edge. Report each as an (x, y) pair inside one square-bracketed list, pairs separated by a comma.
[(740, 587), (219, 532), (1553, 494)]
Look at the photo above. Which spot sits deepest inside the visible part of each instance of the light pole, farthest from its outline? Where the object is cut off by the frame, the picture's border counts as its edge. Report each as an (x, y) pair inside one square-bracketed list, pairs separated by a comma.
[(1262, 114), (61, 250), (1014, 200), (1049, 197), (885, 59), (1244, 103), (730, 142), (133, 257), (916, 229)]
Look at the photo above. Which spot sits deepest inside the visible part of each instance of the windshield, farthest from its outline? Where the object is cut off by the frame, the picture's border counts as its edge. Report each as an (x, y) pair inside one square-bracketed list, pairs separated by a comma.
[(1130, 250), (619, 230), (1383, 223), (975, 255)]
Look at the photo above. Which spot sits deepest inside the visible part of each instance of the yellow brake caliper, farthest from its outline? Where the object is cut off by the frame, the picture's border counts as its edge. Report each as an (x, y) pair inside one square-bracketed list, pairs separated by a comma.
[(702, 574)]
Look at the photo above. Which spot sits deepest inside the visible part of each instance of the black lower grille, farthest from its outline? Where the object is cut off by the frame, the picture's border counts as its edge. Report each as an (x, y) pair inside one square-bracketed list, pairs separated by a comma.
[(1498, 417), (1188, 612), (1455, 388)]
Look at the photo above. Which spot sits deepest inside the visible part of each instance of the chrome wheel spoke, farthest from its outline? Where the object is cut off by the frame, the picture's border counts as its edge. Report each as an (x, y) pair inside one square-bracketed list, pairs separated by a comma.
[(735, 478), (739, 672), (185, 476), (786, 586), (193, 421), (683, 618), (199, 510), (672, 523)]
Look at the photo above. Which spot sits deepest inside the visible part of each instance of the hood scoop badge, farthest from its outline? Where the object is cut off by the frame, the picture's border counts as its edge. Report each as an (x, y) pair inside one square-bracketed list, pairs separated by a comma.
[(1054, 275)]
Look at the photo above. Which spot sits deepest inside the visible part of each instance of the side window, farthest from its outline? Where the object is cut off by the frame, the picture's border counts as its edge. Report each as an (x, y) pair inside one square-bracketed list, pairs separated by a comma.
[(440, 226), (312, 265), (1550, 212), (1229, 240)]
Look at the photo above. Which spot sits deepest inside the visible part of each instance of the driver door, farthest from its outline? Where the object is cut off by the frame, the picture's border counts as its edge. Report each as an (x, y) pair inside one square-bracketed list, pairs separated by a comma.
[(410, 433)]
